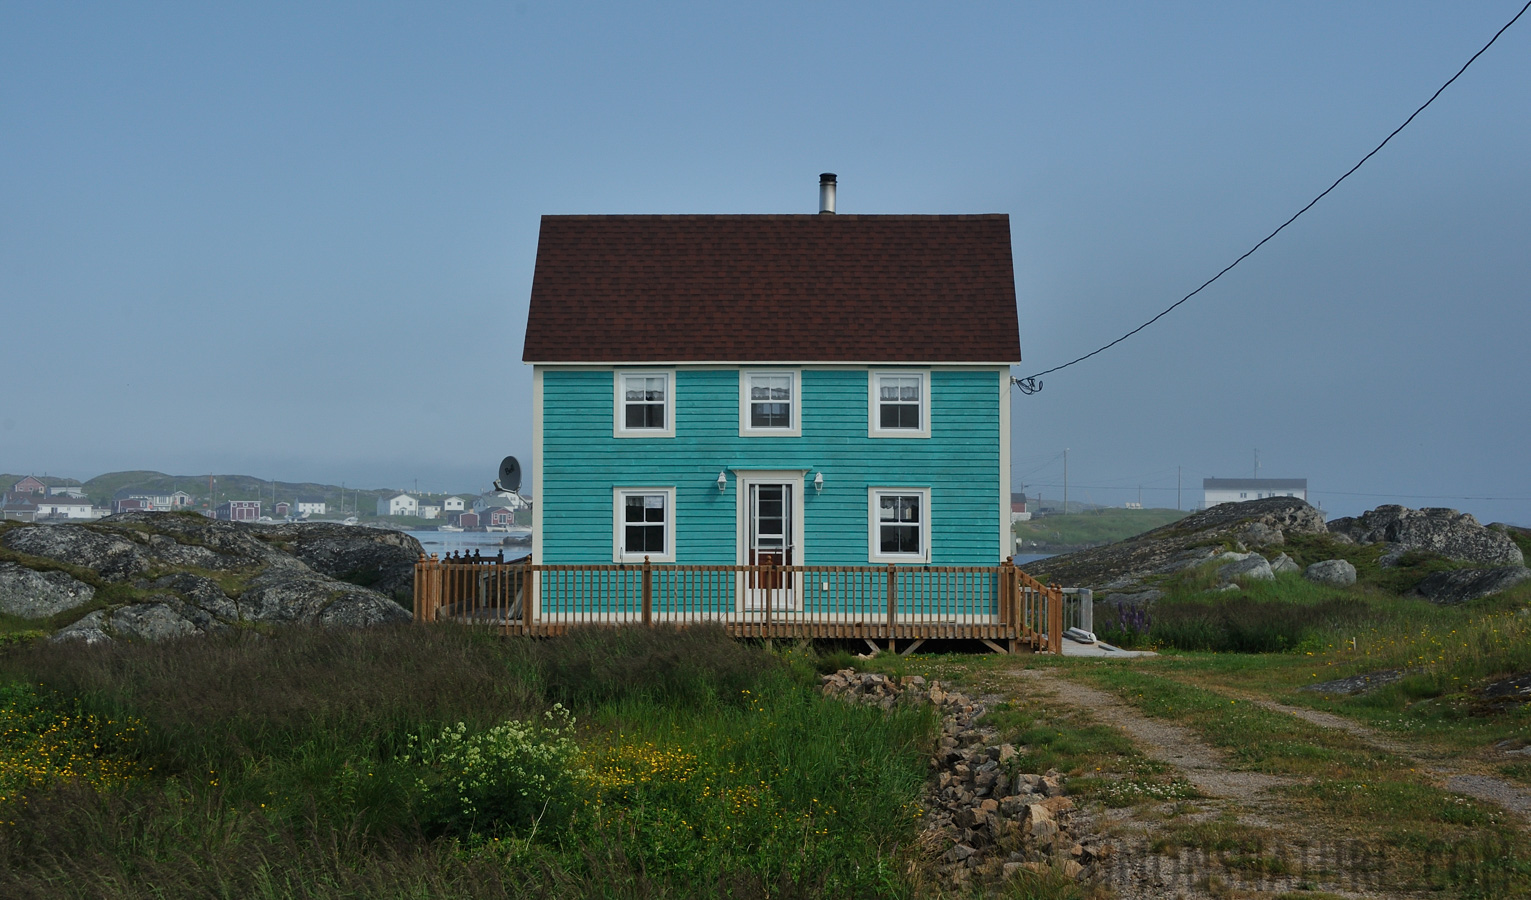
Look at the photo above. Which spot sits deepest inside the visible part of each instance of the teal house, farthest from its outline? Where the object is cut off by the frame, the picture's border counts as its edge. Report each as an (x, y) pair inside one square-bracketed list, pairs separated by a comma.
[(808, 396)]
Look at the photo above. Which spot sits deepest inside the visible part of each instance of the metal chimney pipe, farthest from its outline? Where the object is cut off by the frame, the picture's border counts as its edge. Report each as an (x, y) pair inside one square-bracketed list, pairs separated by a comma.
[(827, 194)]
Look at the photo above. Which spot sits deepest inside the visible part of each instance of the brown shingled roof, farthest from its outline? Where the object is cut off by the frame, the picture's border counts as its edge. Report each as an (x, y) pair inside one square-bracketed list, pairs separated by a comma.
[(815, 288)]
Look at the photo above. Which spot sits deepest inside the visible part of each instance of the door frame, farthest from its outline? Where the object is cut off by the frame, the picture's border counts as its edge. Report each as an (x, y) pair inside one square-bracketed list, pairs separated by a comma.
[(744, 479)]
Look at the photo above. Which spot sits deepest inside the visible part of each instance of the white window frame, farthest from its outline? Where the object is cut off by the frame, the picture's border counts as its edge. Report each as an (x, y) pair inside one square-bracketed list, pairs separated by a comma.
[(796, 411), (618, 525), (874, 408), (619, 404), (874, 542)]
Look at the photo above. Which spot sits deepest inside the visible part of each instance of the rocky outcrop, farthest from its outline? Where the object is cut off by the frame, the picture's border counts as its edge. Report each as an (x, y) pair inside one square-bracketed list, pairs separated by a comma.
[(37, 595), (370, 557), (1461, 585), (1253, 567), (1284, 564), (165, 575), (1444, 532), (1357, 684), (1337, 572), (1192, 541), (984, 817)]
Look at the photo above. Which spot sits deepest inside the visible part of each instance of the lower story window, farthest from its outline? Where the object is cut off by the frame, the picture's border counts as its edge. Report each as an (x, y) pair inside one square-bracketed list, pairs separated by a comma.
[(900, 525), (644, 524)]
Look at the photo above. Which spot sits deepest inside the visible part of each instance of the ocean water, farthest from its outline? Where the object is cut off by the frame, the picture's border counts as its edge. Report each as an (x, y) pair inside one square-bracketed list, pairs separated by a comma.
[(488, 543)]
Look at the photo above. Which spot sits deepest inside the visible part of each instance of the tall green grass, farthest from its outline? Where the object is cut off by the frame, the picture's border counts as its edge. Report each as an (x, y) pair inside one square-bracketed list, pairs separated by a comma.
[(289, 765)]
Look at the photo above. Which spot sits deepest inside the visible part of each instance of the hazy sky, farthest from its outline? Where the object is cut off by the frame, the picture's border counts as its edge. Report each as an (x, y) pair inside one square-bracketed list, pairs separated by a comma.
[(296, 241)]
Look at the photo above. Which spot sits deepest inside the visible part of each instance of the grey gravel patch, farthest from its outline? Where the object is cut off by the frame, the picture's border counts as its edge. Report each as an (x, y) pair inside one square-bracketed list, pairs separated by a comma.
[(1356, 684), (1491, 790)]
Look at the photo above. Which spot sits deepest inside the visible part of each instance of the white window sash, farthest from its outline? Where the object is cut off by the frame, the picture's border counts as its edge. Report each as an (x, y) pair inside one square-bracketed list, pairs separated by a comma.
[(620, 403), (899, 378), (771, 383)]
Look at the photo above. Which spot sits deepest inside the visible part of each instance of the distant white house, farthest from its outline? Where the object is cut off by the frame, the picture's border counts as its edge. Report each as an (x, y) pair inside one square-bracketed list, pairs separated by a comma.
[(428, 511), (1235, 490), (453, 504), (66, 491), (398, 505), (65, 507), (310, 507), (496, 499)]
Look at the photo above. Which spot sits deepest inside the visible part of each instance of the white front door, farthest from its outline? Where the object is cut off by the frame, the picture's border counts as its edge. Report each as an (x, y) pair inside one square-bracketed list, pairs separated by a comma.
[(770, 534)]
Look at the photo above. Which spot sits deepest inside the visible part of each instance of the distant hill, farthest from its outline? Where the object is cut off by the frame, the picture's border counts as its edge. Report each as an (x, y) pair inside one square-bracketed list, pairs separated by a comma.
[(1105, 525), (6, 480), (103, 488)]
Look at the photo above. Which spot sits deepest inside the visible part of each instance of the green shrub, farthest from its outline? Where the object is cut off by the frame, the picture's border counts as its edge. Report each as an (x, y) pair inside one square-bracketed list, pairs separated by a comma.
[(516, 777)]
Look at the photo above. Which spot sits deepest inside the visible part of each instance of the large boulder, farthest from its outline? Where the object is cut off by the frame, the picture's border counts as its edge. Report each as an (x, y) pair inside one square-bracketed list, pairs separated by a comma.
[(1444, 532), (1189, 542), (111, 556), (1337, 572), (372, 557), (1461, 585), (37, 595), (187, 574), (1253, 567)]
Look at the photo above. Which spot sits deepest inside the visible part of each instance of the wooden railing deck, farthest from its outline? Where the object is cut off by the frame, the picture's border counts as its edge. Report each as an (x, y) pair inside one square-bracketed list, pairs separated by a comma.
[(886, 606)]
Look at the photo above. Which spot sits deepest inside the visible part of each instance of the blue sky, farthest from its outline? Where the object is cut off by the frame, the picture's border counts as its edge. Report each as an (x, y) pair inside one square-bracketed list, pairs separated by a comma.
[(296, 240)]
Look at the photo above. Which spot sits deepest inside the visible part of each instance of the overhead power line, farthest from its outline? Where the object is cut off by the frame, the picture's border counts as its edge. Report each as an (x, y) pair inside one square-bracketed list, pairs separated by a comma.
[(1031, 383)]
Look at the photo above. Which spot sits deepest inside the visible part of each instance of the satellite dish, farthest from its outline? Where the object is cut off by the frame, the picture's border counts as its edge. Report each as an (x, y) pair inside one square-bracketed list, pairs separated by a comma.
[(510, 475)]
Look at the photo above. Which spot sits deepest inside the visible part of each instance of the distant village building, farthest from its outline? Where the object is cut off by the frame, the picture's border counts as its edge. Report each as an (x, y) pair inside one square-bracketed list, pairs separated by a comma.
[(310, 507), (238, 511), (18, 507), (1018, 511), (498, 517), (453, 504), (66, 491), (282, 508), (428, 510), (495, 499), (131, 504), (467, 521), (149, 500), (29, 485), (65, 507), (398, 505), (1236, 490)]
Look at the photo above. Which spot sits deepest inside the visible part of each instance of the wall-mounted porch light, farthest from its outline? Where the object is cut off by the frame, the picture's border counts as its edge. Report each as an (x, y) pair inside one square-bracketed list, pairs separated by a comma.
[(722, 481), (818, 482)]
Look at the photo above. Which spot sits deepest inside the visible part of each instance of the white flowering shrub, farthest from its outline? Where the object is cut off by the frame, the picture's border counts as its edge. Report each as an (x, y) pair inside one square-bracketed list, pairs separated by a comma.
[(517, 777)]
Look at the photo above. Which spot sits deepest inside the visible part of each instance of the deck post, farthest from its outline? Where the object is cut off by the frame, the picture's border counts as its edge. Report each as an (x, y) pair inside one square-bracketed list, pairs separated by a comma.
[(1055, 619), (766, 599), (892, 601), (529, 610), (648, 593), (420, 587), (1008, 607)]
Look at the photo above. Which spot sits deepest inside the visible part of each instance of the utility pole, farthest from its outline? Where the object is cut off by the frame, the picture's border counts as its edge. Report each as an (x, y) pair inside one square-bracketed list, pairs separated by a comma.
[(1257, 462), (1177, 488), (1065, 481)]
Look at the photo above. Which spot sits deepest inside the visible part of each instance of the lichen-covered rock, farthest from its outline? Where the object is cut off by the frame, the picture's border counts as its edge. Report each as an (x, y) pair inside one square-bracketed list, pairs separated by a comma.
[(1283, 564), (37, 595), (373, 557), (255, 580), (1252, 567), (1337, 572), (1445, 532), (1184, 544), (111, 556), (1461, 585)]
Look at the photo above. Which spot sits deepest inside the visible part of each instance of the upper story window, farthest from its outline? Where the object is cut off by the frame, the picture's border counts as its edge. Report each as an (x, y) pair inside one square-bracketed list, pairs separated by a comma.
[(768, 403), (899, 403), (644, 404), (644, 524), (900, 525)]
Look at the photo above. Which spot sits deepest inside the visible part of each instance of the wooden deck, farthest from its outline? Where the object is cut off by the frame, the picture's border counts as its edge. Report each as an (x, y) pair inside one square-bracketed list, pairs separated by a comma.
[(892, 607)]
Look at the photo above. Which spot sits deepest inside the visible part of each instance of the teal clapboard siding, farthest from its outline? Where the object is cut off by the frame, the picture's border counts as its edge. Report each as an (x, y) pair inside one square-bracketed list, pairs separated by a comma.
[(581, 462)]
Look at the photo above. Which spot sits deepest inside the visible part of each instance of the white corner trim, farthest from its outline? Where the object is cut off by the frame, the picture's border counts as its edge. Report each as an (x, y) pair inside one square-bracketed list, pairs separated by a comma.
[(537, 458), (1006, 539)]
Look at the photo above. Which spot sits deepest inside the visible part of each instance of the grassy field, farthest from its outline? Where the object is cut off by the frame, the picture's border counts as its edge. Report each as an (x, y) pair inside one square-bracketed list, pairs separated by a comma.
[(1094, 527), (432, 762)]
